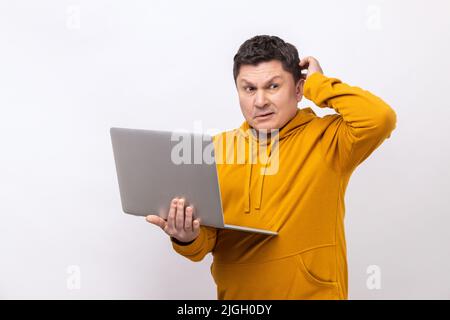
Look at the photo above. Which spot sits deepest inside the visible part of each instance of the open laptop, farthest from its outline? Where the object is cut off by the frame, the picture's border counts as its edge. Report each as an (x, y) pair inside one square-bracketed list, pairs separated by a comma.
[(153, 167)]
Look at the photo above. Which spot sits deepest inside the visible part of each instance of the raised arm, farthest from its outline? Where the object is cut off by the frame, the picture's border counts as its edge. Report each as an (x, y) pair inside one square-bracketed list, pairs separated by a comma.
[(363, 121)]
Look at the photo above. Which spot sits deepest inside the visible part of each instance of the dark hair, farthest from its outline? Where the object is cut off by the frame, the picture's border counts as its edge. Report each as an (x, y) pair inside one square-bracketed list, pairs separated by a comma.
[(263, 48)]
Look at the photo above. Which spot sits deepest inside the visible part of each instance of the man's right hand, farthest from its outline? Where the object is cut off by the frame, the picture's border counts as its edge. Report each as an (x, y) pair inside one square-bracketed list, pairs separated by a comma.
[(180, 223)]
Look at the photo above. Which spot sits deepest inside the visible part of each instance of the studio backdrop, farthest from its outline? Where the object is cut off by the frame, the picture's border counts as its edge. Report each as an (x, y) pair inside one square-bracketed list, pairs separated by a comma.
[(70, 70)]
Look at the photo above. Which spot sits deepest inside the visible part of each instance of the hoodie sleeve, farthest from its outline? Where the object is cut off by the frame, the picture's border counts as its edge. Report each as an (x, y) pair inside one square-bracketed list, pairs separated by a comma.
[(363, 121), (202, 245)]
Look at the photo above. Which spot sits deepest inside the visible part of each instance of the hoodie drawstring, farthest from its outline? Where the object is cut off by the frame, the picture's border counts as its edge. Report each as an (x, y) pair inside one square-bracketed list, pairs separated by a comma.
[(248, 177), (261, 181)]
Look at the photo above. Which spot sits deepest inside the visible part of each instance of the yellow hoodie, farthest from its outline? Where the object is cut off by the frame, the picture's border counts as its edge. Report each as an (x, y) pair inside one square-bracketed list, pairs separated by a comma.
[(303, 200)]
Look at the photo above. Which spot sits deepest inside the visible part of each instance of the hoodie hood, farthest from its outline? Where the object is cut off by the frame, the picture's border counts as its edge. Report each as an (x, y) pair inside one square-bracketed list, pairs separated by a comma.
[(270, 142)]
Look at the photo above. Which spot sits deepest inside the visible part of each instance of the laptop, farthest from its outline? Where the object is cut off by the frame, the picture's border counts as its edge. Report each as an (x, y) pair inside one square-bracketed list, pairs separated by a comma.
[(153, 167)]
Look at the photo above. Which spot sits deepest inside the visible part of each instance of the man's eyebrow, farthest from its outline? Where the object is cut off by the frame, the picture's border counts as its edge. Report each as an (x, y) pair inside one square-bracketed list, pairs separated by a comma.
[(270, 80)]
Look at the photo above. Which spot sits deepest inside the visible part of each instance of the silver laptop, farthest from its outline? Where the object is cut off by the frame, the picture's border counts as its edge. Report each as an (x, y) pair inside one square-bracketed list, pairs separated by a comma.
[(153, 167)]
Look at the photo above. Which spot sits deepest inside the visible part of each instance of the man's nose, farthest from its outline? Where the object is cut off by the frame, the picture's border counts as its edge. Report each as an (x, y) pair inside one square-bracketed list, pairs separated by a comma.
[(260, 99)]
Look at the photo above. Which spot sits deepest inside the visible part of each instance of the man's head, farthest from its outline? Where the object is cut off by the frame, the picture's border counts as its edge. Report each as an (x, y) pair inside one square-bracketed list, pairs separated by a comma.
[(269, 81)]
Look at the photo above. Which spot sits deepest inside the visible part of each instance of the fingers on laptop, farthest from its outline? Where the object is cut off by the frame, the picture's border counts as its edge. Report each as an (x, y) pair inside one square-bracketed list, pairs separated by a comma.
[(171, 217), (188, 218), (179, 220), (185, 217), (191, 223), (196, 225), (175, 219)]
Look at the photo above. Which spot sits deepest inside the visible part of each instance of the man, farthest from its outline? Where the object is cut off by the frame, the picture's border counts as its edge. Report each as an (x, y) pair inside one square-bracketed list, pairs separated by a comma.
[(304, 199)]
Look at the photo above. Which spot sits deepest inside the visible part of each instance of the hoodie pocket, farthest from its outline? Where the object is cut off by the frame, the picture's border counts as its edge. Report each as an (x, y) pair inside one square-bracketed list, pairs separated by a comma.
[(318, 268)]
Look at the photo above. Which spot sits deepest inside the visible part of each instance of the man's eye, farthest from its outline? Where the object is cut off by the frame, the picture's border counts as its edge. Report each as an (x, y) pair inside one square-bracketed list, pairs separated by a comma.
[(273, 86), (248, 89)]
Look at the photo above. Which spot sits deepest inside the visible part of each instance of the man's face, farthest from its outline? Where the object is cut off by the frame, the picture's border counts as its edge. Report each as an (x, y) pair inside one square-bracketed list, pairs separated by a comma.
[(268, 95)]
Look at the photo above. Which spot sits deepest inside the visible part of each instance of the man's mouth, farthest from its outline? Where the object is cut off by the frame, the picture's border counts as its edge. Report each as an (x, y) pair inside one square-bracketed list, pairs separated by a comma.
[(264, 116)]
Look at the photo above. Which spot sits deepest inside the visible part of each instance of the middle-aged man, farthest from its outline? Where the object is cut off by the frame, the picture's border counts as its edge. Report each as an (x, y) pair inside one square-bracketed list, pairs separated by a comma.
[(303, 196)]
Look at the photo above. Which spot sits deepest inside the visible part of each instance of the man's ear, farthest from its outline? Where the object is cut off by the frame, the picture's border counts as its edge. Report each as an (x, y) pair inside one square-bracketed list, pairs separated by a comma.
[(299, 89)]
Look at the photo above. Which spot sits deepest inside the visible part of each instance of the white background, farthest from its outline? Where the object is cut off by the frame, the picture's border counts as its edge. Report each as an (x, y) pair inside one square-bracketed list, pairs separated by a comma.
[(69, 70)]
